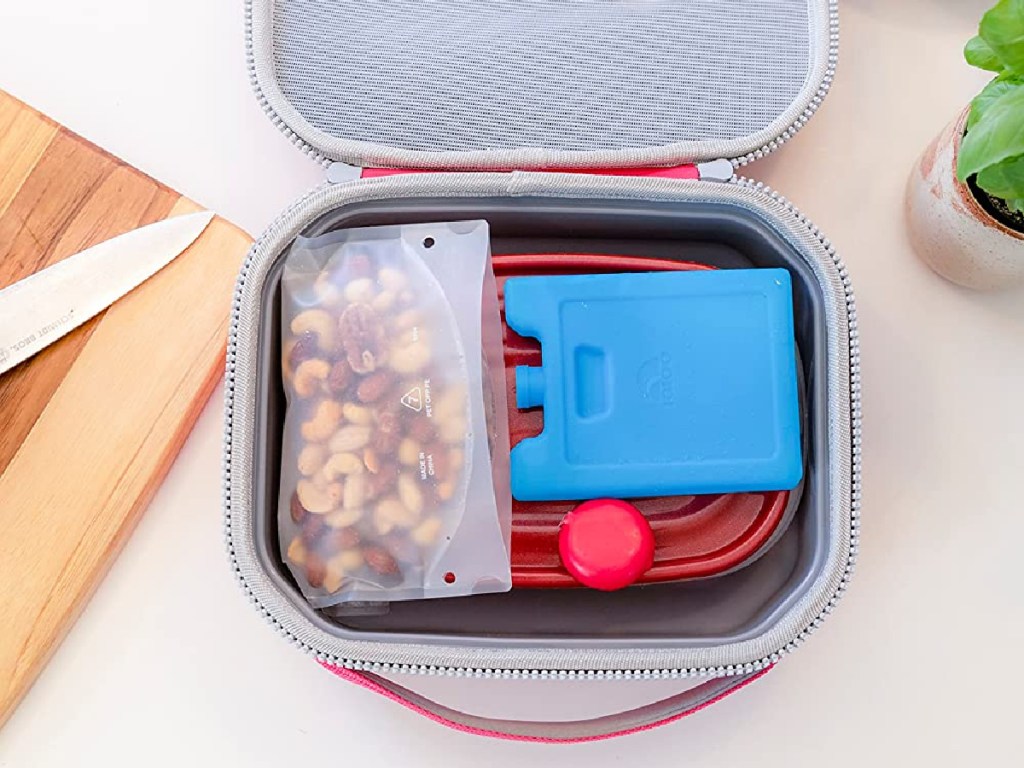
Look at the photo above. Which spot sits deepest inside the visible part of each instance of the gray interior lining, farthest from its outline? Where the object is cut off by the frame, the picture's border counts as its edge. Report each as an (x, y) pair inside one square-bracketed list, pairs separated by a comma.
[(526, 83), (816, 597), (716, 611)]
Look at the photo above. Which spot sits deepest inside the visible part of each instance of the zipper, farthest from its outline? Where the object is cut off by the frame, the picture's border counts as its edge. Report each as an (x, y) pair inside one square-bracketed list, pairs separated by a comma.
[(788, 133), (546, 674)]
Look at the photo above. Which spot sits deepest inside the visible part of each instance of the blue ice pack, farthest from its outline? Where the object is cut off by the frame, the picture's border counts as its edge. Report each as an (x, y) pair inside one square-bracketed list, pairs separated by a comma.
[(655, 384)]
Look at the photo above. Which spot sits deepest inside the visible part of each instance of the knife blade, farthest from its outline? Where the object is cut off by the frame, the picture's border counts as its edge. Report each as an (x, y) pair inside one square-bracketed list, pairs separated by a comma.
[(45, 306)]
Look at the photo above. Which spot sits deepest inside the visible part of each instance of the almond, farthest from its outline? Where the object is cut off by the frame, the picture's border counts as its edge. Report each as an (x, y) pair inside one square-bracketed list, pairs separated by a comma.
[(374, 387), (316, 570), (380, 561), (337, 539), (340, 378), (298, 512)]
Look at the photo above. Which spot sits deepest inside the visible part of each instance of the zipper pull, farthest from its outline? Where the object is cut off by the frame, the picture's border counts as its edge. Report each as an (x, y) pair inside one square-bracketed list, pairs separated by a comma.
[(716, 170), (341, 173)]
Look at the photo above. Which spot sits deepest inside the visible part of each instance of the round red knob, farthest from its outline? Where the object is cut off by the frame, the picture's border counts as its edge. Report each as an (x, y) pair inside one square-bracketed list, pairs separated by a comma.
[(606, 544)]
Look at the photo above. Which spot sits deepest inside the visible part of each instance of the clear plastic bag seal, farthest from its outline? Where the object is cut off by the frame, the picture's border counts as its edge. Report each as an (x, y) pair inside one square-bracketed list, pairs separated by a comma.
[(394, 476)]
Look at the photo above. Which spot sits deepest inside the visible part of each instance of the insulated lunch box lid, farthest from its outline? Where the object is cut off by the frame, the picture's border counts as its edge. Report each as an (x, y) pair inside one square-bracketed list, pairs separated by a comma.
[(540, 84)]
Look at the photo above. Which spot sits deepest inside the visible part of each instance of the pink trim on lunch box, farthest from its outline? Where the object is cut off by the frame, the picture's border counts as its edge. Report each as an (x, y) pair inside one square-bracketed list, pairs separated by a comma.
[(370, 682), (671, 172)]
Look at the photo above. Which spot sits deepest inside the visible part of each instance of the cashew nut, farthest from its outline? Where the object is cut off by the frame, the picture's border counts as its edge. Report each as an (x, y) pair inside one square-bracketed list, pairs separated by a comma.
[(357, 414), (338, 567), (407, 320), (446, 490), (410, 494), (341, 464), (371, 460), (297, 551), (360, 291), (319, 500), (410, 358), (355, 492), (325, 420), (426, 532), (392, 279), (351, 437), (384, 301), (451, 403), (391, 512), (310, 377), (320, 322), (327, 293), (343, 518), (409, 452), (453, 430), (311, 459)]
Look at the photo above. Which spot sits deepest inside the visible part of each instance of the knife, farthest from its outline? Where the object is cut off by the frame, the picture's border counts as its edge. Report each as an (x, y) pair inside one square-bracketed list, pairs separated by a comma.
[(45, 306)]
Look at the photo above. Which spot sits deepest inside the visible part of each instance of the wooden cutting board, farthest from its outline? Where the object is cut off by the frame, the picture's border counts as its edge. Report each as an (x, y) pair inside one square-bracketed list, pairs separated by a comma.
[(92, 424)]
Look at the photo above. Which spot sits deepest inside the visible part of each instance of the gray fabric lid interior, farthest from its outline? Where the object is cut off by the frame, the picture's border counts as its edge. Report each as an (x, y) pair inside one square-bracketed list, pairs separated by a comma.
[(539, 83)]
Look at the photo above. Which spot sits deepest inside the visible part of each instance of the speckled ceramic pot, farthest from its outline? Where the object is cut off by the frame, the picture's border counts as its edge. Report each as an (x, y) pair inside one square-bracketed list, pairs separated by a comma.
[(950, 230)]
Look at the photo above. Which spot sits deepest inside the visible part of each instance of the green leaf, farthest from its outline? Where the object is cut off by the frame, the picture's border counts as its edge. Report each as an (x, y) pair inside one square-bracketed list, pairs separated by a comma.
[(991, 93), (1016, 205), (1004, 180), (1003, 29), (980, 54), (997, 136)]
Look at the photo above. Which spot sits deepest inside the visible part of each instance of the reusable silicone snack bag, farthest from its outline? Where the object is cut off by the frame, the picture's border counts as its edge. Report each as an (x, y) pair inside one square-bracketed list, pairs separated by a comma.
[(394, 470)]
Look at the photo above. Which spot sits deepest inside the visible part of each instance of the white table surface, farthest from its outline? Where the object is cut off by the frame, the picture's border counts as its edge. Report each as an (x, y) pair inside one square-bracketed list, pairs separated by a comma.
[(170, 665)]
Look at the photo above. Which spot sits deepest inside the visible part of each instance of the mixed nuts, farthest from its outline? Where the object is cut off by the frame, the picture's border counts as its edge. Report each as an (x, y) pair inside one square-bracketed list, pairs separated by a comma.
[(376, 430)]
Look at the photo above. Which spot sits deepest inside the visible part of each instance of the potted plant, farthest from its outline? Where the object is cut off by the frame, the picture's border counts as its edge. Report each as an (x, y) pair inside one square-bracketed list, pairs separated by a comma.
[(965, 198)]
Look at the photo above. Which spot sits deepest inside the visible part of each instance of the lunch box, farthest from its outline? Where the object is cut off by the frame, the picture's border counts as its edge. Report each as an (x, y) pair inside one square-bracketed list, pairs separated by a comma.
[(574, 127)]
